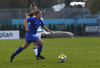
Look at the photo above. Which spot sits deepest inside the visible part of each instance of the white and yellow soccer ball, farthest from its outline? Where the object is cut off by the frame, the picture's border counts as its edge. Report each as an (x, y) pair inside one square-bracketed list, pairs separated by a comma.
[(62, 58)]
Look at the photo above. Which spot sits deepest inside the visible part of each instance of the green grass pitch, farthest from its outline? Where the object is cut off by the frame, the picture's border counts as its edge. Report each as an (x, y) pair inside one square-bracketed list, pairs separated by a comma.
[(81, 53)]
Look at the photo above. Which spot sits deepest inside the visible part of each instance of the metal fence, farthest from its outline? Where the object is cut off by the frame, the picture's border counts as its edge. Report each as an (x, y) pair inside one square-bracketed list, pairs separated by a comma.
[(65, 16), (47, 13)]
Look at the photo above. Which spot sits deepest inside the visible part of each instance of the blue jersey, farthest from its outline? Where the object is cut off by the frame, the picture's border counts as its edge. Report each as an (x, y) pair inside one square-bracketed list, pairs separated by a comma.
[(34, 24)]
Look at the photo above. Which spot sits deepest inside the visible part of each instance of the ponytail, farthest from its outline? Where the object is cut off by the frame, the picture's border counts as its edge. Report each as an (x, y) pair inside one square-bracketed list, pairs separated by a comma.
[(30, 15), (33, 13)]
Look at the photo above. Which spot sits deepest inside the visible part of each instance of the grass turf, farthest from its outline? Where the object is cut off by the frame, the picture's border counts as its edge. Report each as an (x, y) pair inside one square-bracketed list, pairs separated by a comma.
[(80, 52)]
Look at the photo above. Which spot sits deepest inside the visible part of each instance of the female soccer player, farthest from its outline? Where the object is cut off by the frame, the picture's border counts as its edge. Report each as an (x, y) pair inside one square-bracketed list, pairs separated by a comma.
[(30, 36), (33, 7)]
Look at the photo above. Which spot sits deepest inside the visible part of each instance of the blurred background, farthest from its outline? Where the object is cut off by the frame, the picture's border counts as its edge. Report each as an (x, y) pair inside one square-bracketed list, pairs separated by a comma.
[(79, 17)]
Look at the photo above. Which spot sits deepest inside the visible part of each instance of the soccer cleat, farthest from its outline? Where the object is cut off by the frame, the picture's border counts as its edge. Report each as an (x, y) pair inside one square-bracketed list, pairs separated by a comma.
[(11, 57), (37, 57), (40, 57)]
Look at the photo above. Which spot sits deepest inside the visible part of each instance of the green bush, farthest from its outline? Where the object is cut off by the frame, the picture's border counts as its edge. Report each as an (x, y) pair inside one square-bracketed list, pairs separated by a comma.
[(2, 26), (10, 26), (15, 26), (68, 28), (20, 26), (7, 26), (50, 26), (72, 28), (54, 27), (79, 30)]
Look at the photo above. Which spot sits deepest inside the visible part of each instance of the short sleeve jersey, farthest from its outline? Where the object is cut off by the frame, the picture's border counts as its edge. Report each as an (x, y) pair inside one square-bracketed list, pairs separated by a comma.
[(34, 24)]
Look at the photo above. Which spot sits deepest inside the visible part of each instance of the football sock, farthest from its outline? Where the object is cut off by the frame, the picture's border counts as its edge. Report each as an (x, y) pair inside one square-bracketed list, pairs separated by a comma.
[(35, 50), (39, 49), (18, 51)]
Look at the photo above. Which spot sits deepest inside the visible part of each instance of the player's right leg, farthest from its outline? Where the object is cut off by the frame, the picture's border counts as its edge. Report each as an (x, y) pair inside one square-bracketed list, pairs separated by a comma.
[(20, 49), (35, 47)]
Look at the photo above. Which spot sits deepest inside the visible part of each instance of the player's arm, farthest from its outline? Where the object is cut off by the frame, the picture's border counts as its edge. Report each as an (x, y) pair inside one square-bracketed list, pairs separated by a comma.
[(45, 28), (25, 24), (26, 21)]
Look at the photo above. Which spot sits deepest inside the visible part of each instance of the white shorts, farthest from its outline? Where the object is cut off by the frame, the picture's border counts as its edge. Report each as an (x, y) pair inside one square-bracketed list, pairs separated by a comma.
[(38, 35)]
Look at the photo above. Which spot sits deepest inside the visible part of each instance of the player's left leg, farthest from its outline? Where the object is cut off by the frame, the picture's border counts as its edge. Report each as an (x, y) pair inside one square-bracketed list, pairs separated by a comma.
[(35, 45), (40, 46)]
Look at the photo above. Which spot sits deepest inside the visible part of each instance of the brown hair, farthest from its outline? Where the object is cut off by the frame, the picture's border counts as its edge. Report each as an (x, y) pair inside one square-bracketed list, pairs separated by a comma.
[(36, 12), (33, 13), (30, 15)]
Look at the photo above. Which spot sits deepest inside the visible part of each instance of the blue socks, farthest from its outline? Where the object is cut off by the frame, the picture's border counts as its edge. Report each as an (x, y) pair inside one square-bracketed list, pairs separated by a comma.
[(39, 49), (18, 51)]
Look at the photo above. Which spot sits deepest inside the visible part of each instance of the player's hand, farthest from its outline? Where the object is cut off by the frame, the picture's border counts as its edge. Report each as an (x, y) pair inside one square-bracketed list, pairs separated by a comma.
[(51, 32), (27, 30)]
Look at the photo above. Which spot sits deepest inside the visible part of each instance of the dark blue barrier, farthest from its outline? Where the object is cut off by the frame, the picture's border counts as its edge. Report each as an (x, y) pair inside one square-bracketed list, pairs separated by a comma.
[(91, 29)]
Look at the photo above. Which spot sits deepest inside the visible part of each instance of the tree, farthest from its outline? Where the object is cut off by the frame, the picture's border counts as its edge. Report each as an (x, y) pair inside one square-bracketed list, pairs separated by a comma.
[(20, 26), (7, 26), (15, 26), (54, 27), (50, 26), (94, 6), (67, 2), (68, 28), (23, 27), (2, 26), (79, 30), (11, 26), (72, 27)]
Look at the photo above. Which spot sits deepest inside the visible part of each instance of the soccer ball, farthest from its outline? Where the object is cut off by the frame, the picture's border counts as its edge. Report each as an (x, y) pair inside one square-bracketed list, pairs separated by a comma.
[(62, 58)]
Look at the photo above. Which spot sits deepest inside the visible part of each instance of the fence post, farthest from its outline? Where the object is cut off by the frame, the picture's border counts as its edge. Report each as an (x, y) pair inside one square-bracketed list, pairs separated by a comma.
[(84, 13), (0, 26), (20, 14), (63, 13), (75, 26)]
